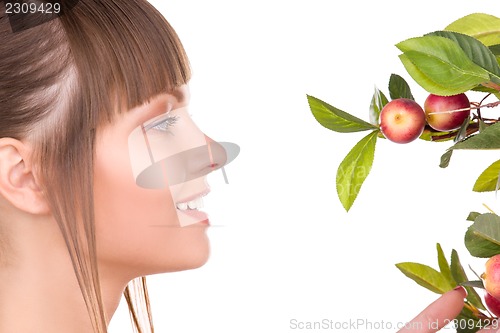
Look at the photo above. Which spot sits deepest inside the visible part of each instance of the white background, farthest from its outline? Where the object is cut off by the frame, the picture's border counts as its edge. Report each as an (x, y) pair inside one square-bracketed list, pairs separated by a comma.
[(283, 247)]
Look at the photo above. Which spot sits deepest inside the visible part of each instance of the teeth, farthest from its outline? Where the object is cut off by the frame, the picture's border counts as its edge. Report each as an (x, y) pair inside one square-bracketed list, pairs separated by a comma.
[(182, 206), (193, 204)]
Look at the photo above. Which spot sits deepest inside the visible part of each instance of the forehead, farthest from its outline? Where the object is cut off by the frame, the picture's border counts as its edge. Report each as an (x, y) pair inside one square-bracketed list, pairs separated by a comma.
[(127, 120), (160, 104)]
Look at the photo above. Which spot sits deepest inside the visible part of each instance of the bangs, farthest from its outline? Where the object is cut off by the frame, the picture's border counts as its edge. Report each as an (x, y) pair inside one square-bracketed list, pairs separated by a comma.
[(125, 53), (63, 79)]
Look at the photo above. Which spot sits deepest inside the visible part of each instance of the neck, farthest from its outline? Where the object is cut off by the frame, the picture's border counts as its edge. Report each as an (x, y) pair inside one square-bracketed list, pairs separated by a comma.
[(39, 291)]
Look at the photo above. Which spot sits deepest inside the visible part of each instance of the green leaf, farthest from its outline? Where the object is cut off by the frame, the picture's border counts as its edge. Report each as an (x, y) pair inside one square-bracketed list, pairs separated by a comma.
[(473, 284), (489, 138), (425, 276), (398, 88), (445, 159), (467, 322), (495, 49), (488, 91), (462, 131), (488, 180), (482, 238), (457, 270), (335, 119), (440, 66), (354, 169), (377, 104), (421, 78), (472, 216), (444, 267), (479, 246), (484, 27), (429, 134), (482, 125), (459, 275), (475, 50)]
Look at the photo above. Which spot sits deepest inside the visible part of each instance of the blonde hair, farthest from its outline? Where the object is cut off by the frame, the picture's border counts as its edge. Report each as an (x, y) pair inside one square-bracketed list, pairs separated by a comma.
[(59, 82)]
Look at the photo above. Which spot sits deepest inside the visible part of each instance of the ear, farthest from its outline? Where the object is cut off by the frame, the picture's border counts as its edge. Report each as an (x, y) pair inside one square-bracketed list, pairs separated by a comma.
[(18, 183)]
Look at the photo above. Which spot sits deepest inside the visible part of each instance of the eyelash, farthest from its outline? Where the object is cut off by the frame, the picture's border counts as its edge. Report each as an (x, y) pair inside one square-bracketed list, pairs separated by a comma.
[(162, 124)]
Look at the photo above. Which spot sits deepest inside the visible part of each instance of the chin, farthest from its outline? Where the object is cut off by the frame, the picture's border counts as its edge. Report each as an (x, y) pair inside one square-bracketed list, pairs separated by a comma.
[(196, 251), (196, 258), (199, 262), (190, 263)]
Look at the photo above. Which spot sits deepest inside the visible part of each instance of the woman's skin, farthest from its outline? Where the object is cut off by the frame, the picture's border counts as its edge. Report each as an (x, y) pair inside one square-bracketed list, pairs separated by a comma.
[(137, 230), (439, 313)]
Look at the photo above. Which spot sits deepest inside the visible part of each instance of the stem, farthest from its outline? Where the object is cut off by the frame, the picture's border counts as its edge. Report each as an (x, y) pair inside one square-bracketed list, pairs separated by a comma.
[(485, 97), (489, 105), (475, 106), (478, 314), (472, 128), (491, 85), (488, 208)]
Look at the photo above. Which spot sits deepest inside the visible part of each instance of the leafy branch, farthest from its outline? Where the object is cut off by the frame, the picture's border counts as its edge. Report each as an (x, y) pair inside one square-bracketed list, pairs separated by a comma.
[(463, 57)]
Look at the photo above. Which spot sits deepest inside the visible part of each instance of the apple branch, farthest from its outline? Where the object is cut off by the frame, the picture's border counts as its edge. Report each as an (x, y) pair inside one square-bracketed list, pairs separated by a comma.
[(474, 127), (491, 85)]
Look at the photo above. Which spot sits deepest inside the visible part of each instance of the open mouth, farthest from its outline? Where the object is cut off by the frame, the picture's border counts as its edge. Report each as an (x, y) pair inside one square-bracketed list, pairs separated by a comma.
[(189, 212), (194, 204)]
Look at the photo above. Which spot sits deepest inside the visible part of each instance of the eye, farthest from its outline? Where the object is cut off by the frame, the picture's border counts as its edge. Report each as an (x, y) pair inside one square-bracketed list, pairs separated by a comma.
[(163, 124)]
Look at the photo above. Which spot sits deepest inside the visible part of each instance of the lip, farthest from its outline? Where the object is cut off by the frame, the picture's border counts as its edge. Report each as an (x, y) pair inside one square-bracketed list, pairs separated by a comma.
[(194, 196), (199, 216)]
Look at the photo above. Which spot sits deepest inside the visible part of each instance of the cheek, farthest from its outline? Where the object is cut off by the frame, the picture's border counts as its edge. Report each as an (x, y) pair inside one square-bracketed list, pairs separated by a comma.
[(137, 229)]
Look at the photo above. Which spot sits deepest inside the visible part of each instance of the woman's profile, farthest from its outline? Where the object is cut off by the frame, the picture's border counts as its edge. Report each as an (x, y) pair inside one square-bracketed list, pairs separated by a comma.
[(77, 228)]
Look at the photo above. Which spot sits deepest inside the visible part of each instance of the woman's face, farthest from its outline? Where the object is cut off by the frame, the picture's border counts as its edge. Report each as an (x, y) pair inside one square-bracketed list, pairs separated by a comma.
[(139, 230)]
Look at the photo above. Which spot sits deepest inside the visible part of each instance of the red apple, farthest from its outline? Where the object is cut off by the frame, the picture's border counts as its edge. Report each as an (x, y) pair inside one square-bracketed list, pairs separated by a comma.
[(402, 120), (491, 276), (493, 304), (446, 113)]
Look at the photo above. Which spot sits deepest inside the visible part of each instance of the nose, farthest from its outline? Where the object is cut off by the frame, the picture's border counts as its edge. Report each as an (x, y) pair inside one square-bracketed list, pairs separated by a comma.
[(202, 160), (188, 164), (210, 157)]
